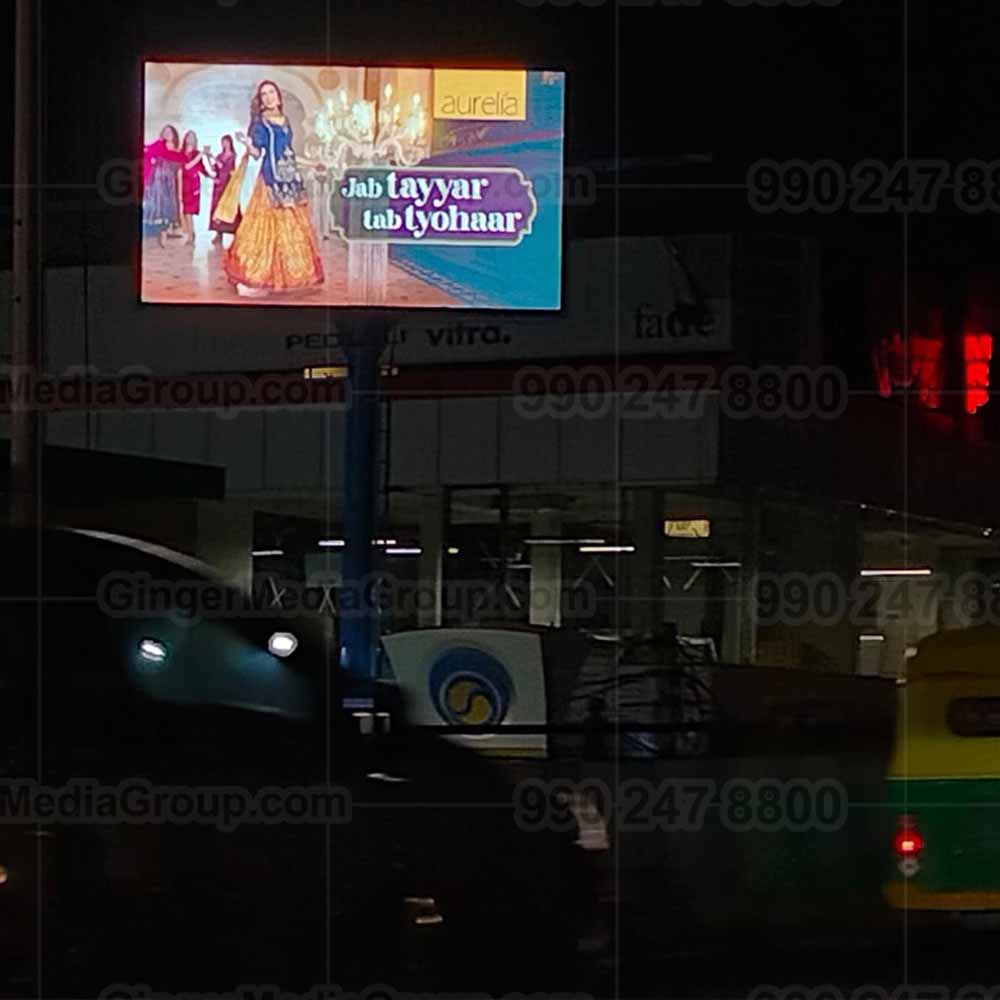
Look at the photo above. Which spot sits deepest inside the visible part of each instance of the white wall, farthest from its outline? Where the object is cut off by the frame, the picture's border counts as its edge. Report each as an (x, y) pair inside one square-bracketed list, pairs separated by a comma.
[(434, 442)]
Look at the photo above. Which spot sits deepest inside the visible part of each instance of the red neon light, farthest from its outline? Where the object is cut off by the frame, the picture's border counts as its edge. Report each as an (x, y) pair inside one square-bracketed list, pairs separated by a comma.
[(926, 368), (977, 349), (920, 366)]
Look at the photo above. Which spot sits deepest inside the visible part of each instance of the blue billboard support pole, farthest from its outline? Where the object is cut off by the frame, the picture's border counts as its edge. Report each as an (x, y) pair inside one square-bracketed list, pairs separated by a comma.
[(363, 343)]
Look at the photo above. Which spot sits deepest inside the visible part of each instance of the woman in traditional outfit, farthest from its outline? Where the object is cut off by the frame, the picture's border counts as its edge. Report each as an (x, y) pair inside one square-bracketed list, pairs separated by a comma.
[(196, 164), (225, 164), (162, 161), (275, 247)]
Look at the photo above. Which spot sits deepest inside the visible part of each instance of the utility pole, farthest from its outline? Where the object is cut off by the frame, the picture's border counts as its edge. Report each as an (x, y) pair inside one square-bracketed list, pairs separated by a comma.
[(363, 340), (25, 329)]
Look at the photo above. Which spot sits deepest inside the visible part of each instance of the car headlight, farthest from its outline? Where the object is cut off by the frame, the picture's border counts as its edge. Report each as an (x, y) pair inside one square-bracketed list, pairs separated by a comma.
[(282, 644), (152, 650)]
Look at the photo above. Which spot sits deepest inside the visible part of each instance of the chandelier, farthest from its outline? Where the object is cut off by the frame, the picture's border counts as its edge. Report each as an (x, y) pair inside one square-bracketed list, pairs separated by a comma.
[(370, 133), (349, 133)]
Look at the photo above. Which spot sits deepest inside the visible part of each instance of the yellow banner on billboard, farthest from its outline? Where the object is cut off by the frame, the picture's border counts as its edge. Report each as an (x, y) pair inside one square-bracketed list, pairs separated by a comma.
[(481, 94)]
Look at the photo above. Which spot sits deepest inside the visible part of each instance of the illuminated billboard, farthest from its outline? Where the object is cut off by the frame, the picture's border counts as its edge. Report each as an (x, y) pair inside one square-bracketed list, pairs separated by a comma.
[(352, 186)]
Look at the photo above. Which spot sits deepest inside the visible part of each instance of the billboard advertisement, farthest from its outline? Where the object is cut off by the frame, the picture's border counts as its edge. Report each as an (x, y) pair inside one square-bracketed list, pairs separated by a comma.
[(396, 187)]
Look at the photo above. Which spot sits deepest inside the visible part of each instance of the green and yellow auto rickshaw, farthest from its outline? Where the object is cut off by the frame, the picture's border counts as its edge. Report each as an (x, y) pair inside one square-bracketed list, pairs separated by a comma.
[(943, 780)]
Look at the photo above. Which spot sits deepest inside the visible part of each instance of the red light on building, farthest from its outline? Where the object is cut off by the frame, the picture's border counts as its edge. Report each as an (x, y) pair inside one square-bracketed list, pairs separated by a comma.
[(922, 367), (918, 364), (977, 350), (926, 368)]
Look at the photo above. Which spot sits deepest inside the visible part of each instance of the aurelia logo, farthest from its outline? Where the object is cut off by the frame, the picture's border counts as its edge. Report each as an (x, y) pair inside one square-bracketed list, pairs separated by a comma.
[(470, 687)]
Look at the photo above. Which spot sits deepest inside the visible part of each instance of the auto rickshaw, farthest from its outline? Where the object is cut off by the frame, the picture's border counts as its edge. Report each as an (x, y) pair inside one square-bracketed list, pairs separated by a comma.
[(943, 780)]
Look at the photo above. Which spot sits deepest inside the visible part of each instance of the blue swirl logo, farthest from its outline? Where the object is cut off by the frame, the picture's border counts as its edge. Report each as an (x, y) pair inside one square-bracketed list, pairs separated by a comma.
[(470, 687)]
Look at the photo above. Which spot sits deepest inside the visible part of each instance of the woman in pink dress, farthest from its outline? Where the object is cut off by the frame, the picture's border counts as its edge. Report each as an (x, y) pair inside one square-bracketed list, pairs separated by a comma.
[(160, 189), (224, 164), (196, 164)]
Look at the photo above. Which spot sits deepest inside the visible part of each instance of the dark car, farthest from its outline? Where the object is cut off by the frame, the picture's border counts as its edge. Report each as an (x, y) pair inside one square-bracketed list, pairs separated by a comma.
[(389, 859)]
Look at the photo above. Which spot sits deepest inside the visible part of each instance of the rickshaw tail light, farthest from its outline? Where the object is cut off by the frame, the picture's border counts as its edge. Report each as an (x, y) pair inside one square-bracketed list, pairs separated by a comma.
[(907, 843)]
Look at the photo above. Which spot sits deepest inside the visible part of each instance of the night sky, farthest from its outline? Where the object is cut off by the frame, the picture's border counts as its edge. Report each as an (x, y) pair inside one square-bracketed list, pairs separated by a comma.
[(646, 83)]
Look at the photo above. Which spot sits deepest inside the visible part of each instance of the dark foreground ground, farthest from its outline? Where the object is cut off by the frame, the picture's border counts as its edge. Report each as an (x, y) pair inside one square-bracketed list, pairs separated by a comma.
[(931, 963)]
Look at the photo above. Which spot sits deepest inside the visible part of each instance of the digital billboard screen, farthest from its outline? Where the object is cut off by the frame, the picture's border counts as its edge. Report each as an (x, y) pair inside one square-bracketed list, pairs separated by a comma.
[(352, 186)]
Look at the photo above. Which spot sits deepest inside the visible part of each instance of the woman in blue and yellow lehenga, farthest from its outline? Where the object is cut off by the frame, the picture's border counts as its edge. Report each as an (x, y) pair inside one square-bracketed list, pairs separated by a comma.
[(275, 247)]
